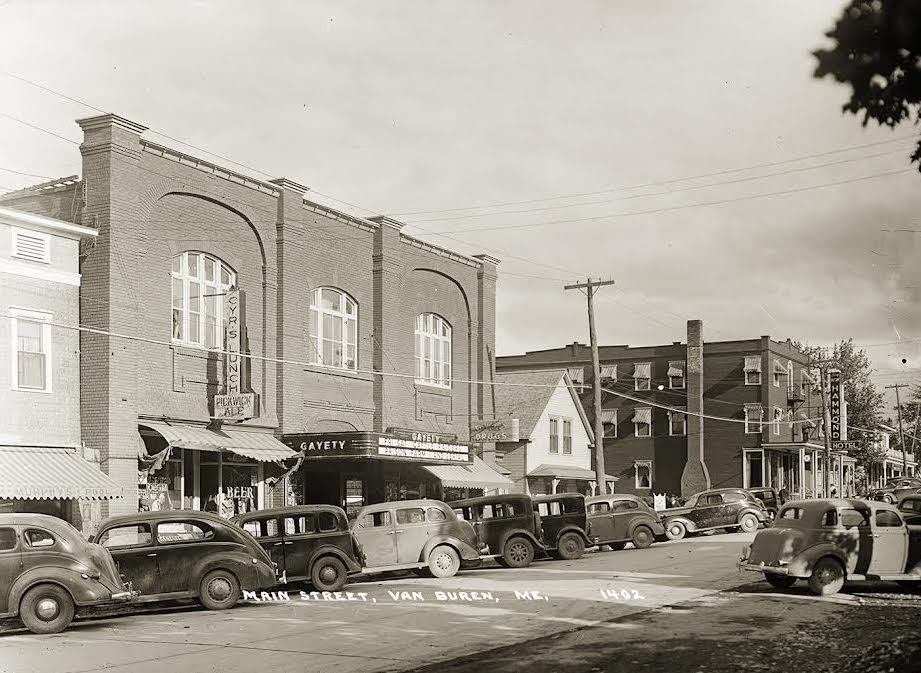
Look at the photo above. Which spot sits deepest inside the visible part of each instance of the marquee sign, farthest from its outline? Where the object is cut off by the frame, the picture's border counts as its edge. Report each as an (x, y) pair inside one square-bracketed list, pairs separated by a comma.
[(420, 447)]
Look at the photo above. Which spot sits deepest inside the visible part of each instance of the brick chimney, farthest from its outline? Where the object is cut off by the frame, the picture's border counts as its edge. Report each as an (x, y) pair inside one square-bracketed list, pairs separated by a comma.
[(695, 477)]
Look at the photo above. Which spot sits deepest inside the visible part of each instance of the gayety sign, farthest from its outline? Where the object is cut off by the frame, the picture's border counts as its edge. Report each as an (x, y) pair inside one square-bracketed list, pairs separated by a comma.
[(235, 404), (495, 430)]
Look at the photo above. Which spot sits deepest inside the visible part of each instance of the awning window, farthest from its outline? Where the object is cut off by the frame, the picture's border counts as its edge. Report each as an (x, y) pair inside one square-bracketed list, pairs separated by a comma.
[(642, 370), (806, 421), (577, 374), (609, 372), (779, 368), (754, 411), (643, 415), (678, 411), (479, 474), (753, 363), (609, 416), (676, 369), (256, 445), (51, 474), (807, 376)]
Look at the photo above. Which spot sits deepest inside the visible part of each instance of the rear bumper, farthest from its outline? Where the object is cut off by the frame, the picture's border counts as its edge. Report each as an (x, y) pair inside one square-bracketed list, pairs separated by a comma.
[(743, 564)]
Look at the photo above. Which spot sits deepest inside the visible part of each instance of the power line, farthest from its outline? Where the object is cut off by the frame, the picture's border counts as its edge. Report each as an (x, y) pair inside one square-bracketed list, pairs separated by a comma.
[(29, 175), (663, 182)]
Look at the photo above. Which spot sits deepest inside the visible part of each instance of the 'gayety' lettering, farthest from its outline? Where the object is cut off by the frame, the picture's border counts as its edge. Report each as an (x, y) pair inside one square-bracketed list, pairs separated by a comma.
[(328, 445)]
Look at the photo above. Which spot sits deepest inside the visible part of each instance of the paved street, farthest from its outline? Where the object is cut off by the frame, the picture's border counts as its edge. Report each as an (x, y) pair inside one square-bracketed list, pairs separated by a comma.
[(607, 611)]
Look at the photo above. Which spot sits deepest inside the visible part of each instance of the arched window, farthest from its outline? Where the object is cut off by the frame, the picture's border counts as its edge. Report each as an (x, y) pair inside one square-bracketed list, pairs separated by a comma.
[(433, 350), (199, 284), (333, 329)]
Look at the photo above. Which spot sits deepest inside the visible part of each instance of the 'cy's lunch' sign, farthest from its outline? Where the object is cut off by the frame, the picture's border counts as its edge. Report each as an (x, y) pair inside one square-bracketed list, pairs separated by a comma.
[(235, 404)]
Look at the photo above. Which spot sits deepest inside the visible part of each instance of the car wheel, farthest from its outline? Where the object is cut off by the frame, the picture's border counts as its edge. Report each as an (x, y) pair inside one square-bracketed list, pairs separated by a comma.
[(779, 581), (46, 608), (748, 523), (675, 530), (444, 561), (570, 547), (219, 590), (328, 574), (642, 537), (827, 577), (518, 552)]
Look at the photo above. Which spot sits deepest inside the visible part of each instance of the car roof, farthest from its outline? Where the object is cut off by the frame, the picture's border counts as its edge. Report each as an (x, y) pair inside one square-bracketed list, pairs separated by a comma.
[(613, 496), (490, 499), (558, 496), (420, 502), (823, 503), (30, 519), (163, 515), (284, 511)]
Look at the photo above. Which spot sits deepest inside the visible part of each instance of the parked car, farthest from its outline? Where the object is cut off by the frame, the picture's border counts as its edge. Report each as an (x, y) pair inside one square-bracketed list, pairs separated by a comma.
[(729, 508), (412, 535), (307, 543), (48, 570), (173, 554), (830, 541), (563, 524), (894, 488), (507, 525), (770, 497), (616, 519), (910, 508)]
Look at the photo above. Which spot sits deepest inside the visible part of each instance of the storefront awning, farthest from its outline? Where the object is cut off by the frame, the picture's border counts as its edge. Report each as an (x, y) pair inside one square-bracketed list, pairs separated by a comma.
[(476, 475), (51, 474), (567, 472), (256, 445)]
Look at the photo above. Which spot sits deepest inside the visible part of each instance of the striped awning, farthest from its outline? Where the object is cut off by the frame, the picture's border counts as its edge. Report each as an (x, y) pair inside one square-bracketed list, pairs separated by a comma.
[(567, 472), (779, 368), (642, 415), (642, 370), (28, 473), (753, 363), (476, 475), (254, 444)]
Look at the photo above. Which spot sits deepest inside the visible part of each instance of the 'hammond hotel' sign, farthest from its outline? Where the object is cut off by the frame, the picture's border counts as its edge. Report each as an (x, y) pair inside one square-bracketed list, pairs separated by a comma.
[(418, 447)]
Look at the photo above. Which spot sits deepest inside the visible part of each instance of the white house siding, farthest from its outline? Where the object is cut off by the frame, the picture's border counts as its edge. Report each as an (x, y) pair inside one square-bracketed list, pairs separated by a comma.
[(560, 405)]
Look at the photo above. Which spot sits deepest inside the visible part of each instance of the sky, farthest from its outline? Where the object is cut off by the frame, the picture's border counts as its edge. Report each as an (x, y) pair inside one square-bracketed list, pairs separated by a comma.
[(593, 121)]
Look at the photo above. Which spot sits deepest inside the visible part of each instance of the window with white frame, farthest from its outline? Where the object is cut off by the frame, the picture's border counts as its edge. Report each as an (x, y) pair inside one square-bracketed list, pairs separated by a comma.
[(790, 382), (642, 474), (778, 372), (642, 422), (567, 436), (804, 381), (753, 417), (200, 283), (554, 435), (433, 350), (642, 376), (576, 374), (332, 329), (677, 423), (31, 350), (32, 246), (753, 370), (609, 372), (676, 374), (778, 416), (609, 422)]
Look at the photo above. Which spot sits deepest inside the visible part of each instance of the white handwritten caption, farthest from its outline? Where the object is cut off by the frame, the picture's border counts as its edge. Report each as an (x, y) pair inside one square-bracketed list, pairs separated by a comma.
[(621, 595), (395, 596)]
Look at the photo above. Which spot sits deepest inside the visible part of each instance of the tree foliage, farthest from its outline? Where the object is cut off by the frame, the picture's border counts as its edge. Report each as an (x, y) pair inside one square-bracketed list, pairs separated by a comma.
[(911, 422), (865, 404), (877, 52)]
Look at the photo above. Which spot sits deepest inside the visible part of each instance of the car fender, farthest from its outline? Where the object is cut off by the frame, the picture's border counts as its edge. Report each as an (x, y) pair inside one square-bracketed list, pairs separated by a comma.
[(687, 523), (238, 562), (801, 564), (83, 591), (573, 529), (519, 532), (331, 550), (644, 520), (759, 513), (466, 551)]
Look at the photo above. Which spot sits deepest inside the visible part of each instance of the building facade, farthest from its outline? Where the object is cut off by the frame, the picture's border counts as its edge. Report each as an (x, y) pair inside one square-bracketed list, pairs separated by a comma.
[(44, 467), (240, 326), (688, 416)]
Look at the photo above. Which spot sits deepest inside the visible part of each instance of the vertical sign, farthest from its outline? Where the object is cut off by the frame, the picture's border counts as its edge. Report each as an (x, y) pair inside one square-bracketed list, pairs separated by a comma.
[(232, 313), (235, 404), (834, 387)]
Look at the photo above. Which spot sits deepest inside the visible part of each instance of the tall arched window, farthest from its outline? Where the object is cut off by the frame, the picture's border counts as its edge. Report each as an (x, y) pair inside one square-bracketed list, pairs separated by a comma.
[(433, 350), (199, 284), (333, 329)]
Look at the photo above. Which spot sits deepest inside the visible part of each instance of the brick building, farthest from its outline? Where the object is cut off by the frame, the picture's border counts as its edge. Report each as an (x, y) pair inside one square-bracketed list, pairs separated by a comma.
[(323, 302), (43, 466), (657, 438)]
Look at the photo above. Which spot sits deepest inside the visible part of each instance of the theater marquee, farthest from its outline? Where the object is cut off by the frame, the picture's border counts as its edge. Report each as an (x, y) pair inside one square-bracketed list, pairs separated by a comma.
[(420, 448)]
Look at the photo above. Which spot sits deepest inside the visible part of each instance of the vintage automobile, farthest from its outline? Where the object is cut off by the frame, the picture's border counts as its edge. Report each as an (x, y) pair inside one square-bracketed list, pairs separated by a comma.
[(506, 525), (770, 497), (910, 508), (48, 569), (728, 508), (829, 541), (563, 524), (413, 535), (894, 488), (306, 542), (616, 519), (174, 554)]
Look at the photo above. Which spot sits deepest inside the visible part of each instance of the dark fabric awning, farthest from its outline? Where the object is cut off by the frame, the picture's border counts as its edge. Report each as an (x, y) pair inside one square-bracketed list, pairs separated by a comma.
[(257, 445), (28, 473)]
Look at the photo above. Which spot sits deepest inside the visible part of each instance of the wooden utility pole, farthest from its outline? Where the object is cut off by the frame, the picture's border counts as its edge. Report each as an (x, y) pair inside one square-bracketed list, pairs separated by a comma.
[(590, 288), (898, 409), (916, 428), (826, 417)]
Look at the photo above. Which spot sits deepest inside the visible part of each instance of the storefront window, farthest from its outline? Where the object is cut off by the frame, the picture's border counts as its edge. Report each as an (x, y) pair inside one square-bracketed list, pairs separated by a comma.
[(164, 487), (354, 496), (229, 484)]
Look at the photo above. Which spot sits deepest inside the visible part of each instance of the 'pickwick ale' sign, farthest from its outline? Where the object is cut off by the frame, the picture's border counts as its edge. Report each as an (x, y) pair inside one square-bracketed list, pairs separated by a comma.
[(235, 404)]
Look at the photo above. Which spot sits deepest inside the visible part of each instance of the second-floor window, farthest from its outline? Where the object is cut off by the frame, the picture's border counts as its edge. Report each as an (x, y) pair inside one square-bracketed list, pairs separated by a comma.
[(642, 422), (778, 416), (609, 422), (200, 283), (753, 416), (677, 424), (567, 436), (31, 332), (676, 374), (753, 370), (333, 329), (554, 435), (642, 376), (433, 350)]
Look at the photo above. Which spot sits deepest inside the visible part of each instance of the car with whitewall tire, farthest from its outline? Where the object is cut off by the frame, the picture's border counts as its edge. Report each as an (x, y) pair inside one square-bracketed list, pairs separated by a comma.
[(715, 509)]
